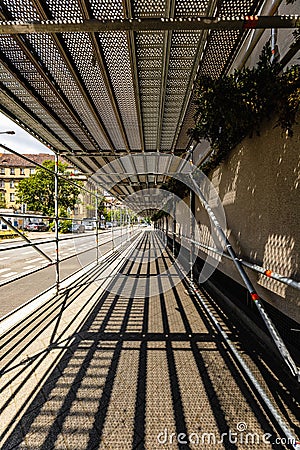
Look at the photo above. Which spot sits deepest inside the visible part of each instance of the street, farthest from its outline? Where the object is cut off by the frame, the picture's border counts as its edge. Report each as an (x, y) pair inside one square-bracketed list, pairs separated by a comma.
[(75, 252), (23, 259)]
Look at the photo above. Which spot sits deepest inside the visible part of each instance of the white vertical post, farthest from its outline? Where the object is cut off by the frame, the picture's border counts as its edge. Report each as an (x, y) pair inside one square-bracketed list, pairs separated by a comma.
[(121, 223), (112, 226), (97, 228), (192, 245), (56, 218), (173, 227)]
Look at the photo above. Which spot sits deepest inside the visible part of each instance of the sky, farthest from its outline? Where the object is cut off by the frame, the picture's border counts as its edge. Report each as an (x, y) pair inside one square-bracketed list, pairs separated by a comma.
[(21, 142)]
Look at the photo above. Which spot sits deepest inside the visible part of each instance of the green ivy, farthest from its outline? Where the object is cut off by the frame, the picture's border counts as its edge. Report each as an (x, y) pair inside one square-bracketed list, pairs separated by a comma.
[(179, 188), (176, 187), (234, 106), (158, 215)]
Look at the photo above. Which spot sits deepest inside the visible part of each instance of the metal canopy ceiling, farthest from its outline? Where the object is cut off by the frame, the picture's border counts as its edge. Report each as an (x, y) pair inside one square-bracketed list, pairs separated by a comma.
[(125, 87)]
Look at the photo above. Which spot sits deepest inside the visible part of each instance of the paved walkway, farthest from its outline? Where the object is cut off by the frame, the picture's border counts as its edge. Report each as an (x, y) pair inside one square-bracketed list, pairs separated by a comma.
[(108, 365)]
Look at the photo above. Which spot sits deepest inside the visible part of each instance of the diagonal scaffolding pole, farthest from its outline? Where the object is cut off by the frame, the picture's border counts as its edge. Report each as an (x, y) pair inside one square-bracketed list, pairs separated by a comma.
[(10, 225), (40, 166), (256, 268), (249, 286)]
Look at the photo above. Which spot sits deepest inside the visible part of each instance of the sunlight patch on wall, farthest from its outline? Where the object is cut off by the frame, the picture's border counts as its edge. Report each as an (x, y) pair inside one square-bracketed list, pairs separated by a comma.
[(278, 258)]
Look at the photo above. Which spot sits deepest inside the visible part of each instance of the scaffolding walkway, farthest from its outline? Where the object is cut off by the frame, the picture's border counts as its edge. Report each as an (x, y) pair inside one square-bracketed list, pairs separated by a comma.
[(129, 356)]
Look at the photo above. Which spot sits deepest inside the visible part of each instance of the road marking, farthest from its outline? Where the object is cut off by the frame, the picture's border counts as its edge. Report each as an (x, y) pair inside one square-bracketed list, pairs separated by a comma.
[(4, 270), (30, 250), (15, 316), (8, 274), (36, 259)]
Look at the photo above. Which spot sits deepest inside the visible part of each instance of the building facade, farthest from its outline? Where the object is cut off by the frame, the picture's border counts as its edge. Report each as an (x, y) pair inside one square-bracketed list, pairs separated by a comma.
[(14, 168)]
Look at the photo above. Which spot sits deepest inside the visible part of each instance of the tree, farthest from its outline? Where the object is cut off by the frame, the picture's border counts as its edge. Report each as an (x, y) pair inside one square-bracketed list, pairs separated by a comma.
[(2, 200), (37, 191)]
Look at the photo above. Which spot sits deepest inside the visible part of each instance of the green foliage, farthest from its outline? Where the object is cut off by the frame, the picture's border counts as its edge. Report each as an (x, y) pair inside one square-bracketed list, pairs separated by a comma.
[(177, 187), (119, 215), (64, 226), (37, 191), (232, 107), (158, 215), (2, 200)]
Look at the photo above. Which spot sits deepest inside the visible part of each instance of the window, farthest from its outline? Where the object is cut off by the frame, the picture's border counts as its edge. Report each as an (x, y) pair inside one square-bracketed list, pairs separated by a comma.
[(2, 170), (22, 171), (12, 170), (12, 184), (11, 197), (32, 171), (2, 184)]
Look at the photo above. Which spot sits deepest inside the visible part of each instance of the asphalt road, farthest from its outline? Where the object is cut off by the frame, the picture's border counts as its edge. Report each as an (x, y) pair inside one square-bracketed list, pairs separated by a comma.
[(17, 260)]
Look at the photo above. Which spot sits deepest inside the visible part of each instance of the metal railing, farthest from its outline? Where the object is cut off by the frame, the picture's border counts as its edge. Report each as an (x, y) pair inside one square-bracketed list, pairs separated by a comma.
[(56, 218), (254, 267), (239, 264)]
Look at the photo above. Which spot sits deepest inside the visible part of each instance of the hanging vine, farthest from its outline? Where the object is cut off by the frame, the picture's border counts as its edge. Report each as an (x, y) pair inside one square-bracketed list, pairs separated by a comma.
[(234, 106)]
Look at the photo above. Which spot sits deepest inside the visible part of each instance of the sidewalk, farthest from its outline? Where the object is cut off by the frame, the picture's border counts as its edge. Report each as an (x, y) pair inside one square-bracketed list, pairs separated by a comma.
[(107, 365), (30, 235)]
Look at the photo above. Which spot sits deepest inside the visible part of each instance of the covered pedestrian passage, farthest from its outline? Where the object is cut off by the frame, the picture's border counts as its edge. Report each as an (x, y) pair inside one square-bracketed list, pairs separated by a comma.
[(179, 330)]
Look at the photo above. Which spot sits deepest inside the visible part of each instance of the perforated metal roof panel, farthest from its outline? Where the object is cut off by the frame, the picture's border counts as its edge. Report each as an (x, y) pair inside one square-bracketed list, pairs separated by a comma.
[(94, 95)]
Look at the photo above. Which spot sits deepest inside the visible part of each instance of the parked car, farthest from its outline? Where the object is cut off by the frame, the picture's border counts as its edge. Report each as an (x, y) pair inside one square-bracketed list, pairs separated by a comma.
[(36, 226), (77, 228), (89, 224), (70, 227)]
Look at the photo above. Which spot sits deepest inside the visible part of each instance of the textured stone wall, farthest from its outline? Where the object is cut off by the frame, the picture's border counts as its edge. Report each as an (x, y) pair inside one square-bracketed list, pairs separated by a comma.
[(259, 188)]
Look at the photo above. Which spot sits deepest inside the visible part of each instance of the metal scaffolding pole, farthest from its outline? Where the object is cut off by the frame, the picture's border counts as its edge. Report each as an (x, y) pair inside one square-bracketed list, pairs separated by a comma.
[(150, 24), (173, 227), (97, 227), (121, 223), (112, 226), (10, 225), (127, 224), (14, 152), (256, 268), (249, 286), (56, 223), (192, 232)]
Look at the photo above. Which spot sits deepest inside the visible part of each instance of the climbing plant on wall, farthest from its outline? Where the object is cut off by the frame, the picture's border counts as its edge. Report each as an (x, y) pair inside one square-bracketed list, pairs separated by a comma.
[(234, 106)]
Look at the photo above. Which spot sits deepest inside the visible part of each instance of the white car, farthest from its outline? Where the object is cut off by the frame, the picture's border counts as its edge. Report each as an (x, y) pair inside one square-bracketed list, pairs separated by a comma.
[(89, 225)]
